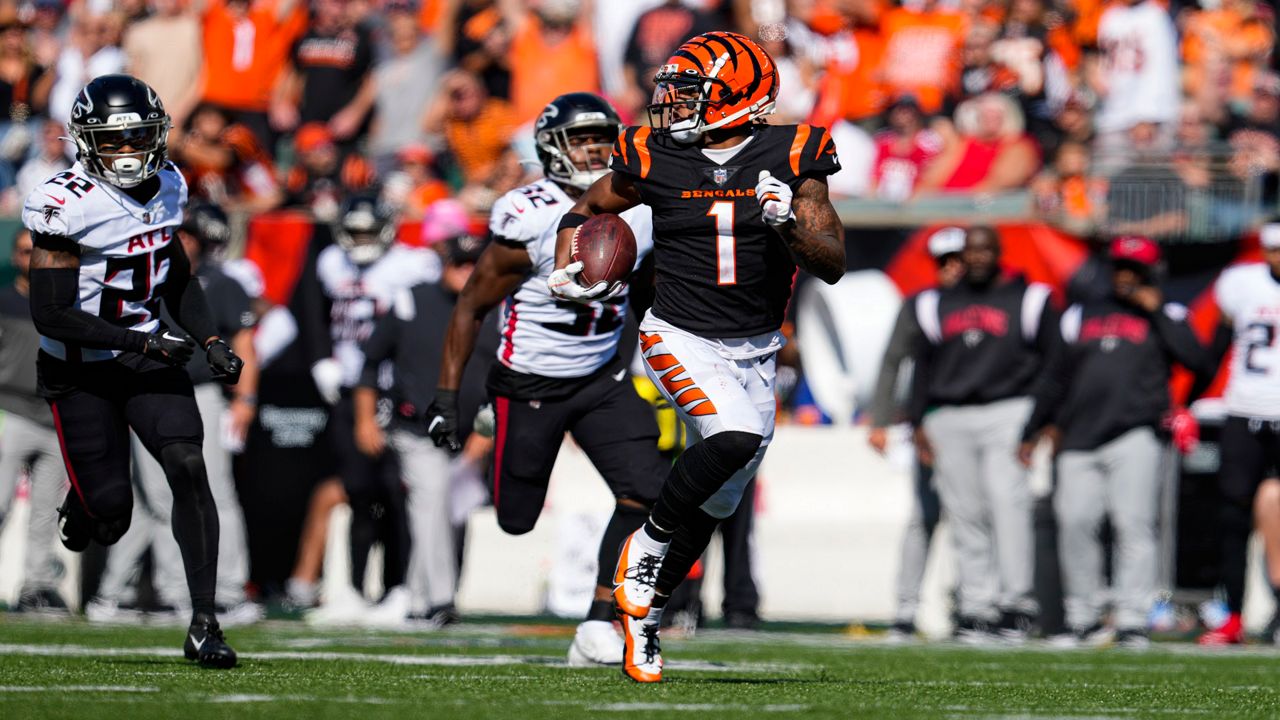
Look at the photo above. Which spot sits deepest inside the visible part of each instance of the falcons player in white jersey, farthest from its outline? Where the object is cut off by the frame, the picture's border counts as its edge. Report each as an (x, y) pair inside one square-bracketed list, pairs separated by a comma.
[(1249, 298), (106, 254), (558, 368), (359, 277)]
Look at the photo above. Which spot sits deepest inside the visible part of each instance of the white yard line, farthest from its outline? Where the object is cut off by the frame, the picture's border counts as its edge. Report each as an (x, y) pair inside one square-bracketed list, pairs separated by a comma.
[(77, 688), (387, 658)]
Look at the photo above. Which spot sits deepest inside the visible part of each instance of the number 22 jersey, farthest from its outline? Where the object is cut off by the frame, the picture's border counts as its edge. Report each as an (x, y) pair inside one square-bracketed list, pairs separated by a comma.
[(124, 247), (543, 335), (1250, 297), (721, 271)]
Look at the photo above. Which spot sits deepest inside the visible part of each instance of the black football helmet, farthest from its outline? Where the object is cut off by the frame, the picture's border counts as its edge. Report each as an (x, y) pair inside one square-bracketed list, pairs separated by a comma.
[(114, 113), (570, 115), (209, 225), (366, 228)]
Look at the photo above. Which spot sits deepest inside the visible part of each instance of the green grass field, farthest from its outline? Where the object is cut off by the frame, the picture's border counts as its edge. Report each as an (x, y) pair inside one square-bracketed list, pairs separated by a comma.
[(516, 671)]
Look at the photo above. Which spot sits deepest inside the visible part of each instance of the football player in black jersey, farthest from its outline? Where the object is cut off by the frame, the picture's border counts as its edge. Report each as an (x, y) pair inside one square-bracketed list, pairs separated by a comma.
[(737, 206), (106, 253)]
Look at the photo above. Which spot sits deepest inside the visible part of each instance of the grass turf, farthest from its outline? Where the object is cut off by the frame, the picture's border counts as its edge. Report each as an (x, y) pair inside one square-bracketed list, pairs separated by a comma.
[(515, 671)]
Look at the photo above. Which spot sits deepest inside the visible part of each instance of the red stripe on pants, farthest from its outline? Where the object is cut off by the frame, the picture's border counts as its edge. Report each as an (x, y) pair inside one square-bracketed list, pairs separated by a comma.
[(66, 459), (501, 409)]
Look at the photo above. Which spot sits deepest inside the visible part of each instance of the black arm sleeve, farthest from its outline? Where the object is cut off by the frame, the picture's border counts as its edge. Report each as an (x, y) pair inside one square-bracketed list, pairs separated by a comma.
[(1050, 388), (1217, 350), (1183, 346), (918, 405), (906, 334), (641, 288), (380, 346), (185, 298), (54, 292)]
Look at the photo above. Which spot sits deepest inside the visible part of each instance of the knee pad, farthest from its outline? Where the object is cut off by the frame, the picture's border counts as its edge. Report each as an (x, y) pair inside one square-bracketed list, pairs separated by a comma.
[(733, 449), (512, 528), (108, 531), (183, 462)]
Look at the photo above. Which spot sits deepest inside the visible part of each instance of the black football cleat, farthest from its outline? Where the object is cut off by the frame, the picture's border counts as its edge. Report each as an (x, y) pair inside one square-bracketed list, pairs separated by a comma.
[(206, 645), (75, 527)]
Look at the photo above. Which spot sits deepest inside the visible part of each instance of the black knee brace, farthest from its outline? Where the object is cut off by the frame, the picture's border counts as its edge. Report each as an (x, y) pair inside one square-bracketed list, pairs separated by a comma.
[(108, 531), (699, 473)]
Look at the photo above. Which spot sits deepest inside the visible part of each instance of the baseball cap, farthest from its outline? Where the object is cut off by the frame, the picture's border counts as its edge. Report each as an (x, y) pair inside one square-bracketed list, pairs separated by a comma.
[(946, 241), (1135, 249), (312, 136), (1269, 236)]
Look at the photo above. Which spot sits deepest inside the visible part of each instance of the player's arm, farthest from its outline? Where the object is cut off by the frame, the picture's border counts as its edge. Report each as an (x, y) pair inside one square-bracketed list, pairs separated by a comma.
[(380, 346), (1047, 393), (613, 193), (811, 227), (188, 305), (906, 333), (55, 287), (500, 270)]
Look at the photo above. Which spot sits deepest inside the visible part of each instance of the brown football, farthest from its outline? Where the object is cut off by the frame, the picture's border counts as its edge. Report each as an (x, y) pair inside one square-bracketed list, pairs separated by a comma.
[(607, 249)]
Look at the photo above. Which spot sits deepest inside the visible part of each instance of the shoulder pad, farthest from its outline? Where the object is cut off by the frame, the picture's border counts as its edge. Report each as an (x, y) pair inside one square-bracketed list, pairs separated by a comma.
[(513, 218), (813, 152), (54, 208), (631, 152)]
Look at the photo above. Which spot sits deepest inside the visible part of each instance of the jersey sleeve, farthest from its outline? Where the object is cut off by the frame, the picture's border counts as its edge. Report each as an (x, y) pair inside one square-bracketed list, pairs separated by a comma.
[(813, 153), (51, 210), (631, 152), (1226, 292), (512, 220)]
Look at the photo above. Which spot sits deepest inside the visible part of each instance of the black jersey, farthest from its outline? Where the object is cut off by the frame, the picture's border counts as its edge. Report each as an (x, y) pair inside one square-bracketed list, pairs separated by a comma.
[(721, 271)]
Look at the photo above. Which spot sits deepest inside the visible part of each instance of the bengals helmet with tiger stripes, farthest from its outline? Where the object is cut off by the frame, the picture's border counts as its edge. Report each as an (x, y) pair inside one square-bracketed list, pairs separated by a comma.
[(714, 80)]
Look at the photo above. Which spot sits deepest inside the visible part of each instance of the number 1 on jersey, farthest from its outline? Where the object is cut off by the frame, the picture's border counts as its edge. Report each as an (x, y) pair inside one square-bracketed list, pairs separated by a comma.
[(726, 246)]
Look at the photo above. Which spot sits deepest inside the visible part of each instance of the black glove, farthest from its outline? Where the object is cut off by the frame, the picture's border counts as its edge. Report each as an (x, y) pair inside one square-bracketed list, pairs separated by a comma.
[(169, 349), (442, 420), (224, 363)]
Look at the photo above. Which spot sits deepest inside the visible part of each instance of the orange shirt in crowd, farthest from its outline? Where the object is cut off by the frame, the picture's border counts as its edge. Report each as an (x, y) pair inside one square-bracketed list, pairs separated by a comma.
[(1249, 38), (851, 88), (540, 72), (922, 54), (478, 143), (244, 56)]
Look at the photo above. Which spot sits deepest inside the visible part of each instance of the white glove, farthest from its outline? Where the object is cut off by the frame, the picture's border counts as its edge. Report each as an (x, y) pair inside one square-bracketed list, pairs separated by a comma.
[(327, 374), (774, 197), (563, 283)]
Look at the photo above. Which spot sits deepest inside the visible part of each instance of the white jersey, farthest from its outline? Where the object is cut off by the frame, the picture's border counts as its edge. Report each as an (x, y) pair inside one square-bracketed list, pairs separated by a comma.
[(1250, 297), (124, 247), (541, 334), (361, 295), (1139, 66)]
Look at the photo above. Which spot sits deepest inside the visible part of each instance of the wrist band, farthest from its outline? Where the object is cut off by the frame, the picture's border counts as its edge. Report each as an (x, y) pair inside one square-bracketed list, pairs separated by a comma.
[(571, 220)]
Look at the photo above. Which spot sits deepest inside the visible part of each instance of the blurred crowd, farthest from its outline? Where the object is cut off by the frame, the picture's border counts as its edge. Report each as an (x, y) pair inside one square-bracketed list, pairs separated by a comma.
[(1086, 104)]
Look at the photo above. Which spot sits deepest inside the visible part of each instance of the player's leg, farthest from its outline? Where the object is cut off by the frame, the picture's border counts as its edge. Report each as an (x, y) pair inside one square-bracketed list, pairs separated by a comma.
[(711, 394), (161, 409), (1266, 518), (1133, 503), (1010, 504), (233, 559), (155, 500), (741, 605), (360, 481), (913, 556), (1080, 504), (1243, 465), (425, 468), (527, 439), (619, 434), (48, 483), (393, 528), (94, 439), (957, 474)]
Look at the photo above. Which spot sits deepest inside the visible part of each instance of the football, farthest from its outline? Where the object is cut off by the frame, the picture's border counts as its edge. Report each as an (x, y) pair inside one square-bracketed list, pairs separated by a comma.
[(606, 247)]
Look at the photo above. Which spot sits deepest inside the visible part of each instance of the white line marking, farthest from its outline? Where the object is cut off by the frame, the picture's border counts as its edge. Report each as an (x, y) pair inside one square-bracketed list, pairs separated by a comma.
[(412, 660), (77, 688)]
